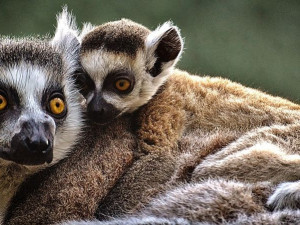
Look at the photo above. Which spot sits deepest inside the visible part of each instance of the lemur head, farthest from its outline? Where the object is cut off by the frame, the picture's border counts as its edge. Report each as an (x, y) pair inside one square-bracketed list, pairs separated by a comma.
[(40, 113), (126, 63)]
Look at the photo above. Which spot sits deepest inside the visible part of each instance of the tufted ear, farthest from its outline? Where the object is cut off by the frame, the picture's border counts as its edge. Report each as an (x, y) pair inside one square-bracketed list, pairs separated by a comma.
[(164, 47), (66, 38)]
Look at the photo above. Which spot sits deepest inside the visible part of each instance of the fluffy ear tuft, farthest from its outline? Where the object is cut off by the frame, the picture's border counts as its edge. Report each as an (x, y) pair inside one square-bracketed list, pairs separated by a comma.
[(66, 28), (66, 38), (165, 44), (87, 27)]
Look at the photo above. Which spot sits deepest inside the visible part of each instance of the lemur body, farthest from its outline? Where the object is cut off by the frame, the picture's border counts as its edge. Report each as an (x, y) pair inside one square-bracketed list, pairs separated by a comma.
[(130, 67), (40, 112)]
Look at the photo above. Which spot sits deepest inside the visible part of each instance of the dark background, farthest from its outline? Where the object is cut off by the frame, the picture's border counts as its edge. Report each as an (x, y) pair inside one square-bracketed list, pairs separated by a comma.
[(255, 42)]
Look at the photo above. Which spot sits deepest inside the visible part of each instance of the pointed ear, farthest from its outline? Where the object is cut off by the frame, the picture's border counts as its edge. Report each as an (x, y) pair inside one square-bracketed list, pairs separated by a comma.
[(164, 47)]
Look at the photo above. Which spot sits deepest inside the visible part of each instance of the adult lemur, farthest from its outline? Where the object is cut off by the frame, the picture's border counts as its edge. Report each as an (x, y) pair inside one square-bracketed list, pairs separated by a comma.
[(41, 120), (127, 64), (40, 114)]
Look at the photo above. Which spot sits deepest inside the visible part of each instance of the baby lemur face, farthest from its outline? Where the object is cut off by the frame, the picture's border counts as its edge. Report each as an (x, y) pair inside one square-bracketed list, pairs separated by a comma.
[(40, 114), (125, 64)]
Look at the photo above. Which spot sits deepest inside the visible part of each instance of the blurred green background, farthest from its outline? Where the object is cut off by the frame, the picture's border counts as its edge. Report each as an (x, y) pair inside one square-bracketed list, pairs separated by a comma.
[(254, 42)]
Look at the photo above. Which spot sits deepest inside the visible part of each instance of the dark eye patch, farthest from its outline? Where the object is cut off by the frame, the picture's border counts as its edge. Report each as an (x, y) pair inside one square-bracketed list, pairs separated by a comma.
[(13, 102), (84, 82), (111, 79), (10, 93)]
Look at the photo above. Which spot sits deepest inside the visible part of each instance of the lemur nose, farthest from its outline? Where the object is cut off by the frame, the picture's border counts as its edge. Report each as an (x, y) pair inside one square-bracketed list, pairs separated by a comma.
[(100, 111), (37, 144), (33, 145)]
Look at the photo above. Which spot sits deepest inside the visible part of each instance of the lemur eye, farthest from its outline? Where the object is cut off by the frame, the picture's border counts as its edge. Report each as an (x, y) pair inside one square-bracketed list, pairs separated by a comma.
[(122, 84), (57, 106), (3, 102)]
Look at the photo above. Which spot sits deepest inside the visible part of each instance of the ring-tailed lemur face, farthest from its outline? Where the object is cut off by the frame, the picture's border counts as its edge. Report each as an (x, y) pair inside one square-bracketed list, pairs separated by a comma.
[(40, 114), (126, 64)]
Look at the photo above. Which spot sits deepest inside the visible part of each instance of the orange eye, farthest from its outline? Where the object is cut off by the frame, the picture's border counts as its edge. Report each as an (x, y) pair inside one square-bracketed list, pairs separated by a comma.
[(3, 102), (122, 84), (57, 106)]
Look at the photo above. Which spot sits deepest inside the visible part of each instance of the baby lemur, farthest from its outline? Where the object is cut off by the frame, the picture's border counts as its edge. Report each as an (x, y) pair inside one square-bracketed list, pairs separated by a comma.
[(131, 67)]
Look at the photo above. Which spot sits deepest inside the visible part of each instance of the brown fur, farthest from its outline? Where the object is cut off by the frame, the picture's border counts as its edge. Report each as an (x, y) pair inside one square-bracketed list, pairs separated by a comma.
[(146, 178), (215, 111), (152, 174), (73, 188), (188, 102)]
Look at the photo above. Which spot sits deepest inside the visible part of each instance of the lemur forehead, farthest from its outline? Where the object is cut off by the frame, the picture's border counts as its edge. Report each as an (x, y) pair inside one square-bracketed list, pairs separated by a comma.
[(122, 36), (36, 52)]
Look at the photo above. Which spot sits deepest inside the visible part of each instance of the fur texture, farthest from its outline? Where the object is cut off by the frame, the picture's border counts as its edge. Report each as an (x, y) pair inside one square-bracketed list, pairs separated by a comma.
[(72, 188), (210, 202), (265, 154), (286, 196), (193, 106)]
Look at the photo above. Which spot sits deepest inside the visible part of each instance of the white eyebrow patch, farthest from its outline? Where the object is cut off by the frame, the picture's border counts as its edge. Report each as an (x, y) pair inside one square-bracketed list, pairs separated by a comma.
[(28, 80)]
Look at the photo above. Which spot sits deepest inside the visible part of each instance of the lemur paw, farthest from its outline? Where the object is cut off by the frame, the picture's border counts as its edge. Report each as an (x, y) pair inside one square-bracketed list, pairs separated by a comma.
[(286, 196)]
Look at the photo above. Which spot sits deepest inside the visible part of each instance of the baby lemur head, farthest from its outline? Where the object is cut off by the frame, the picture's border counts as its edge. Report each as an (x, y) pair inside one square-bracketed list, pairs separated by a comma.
[(126, 63), (40, 113)]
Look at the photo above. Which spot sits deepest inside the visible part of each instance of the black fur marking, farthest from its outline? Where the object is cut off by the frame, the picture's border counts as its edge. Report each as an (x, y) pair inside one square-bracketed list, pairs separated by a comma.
[(169, 46), (112, 77), (12, 109), (31, 51), (122, 36), (84, 82), (167, 50)]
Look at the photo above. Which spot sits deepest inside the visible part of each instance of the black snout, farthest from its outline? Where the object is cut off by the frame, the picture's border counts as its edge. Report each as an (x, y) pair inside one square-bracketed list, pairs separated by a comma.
[(33, 145), (100, 111)]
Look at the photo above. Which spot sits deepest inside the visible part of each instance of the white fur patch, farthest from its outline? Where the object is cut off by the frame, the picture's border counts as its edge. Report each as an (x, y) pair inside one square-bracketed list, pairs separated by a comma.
[(66, 26), (87, 27), (286, 196)]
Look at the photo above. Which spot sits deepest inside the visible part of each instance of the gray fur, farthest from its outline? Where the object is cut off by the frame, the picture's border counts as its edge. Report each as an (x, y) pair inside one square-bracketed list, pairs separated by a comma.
[(151, 220), (286, 196), (210, 202)]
